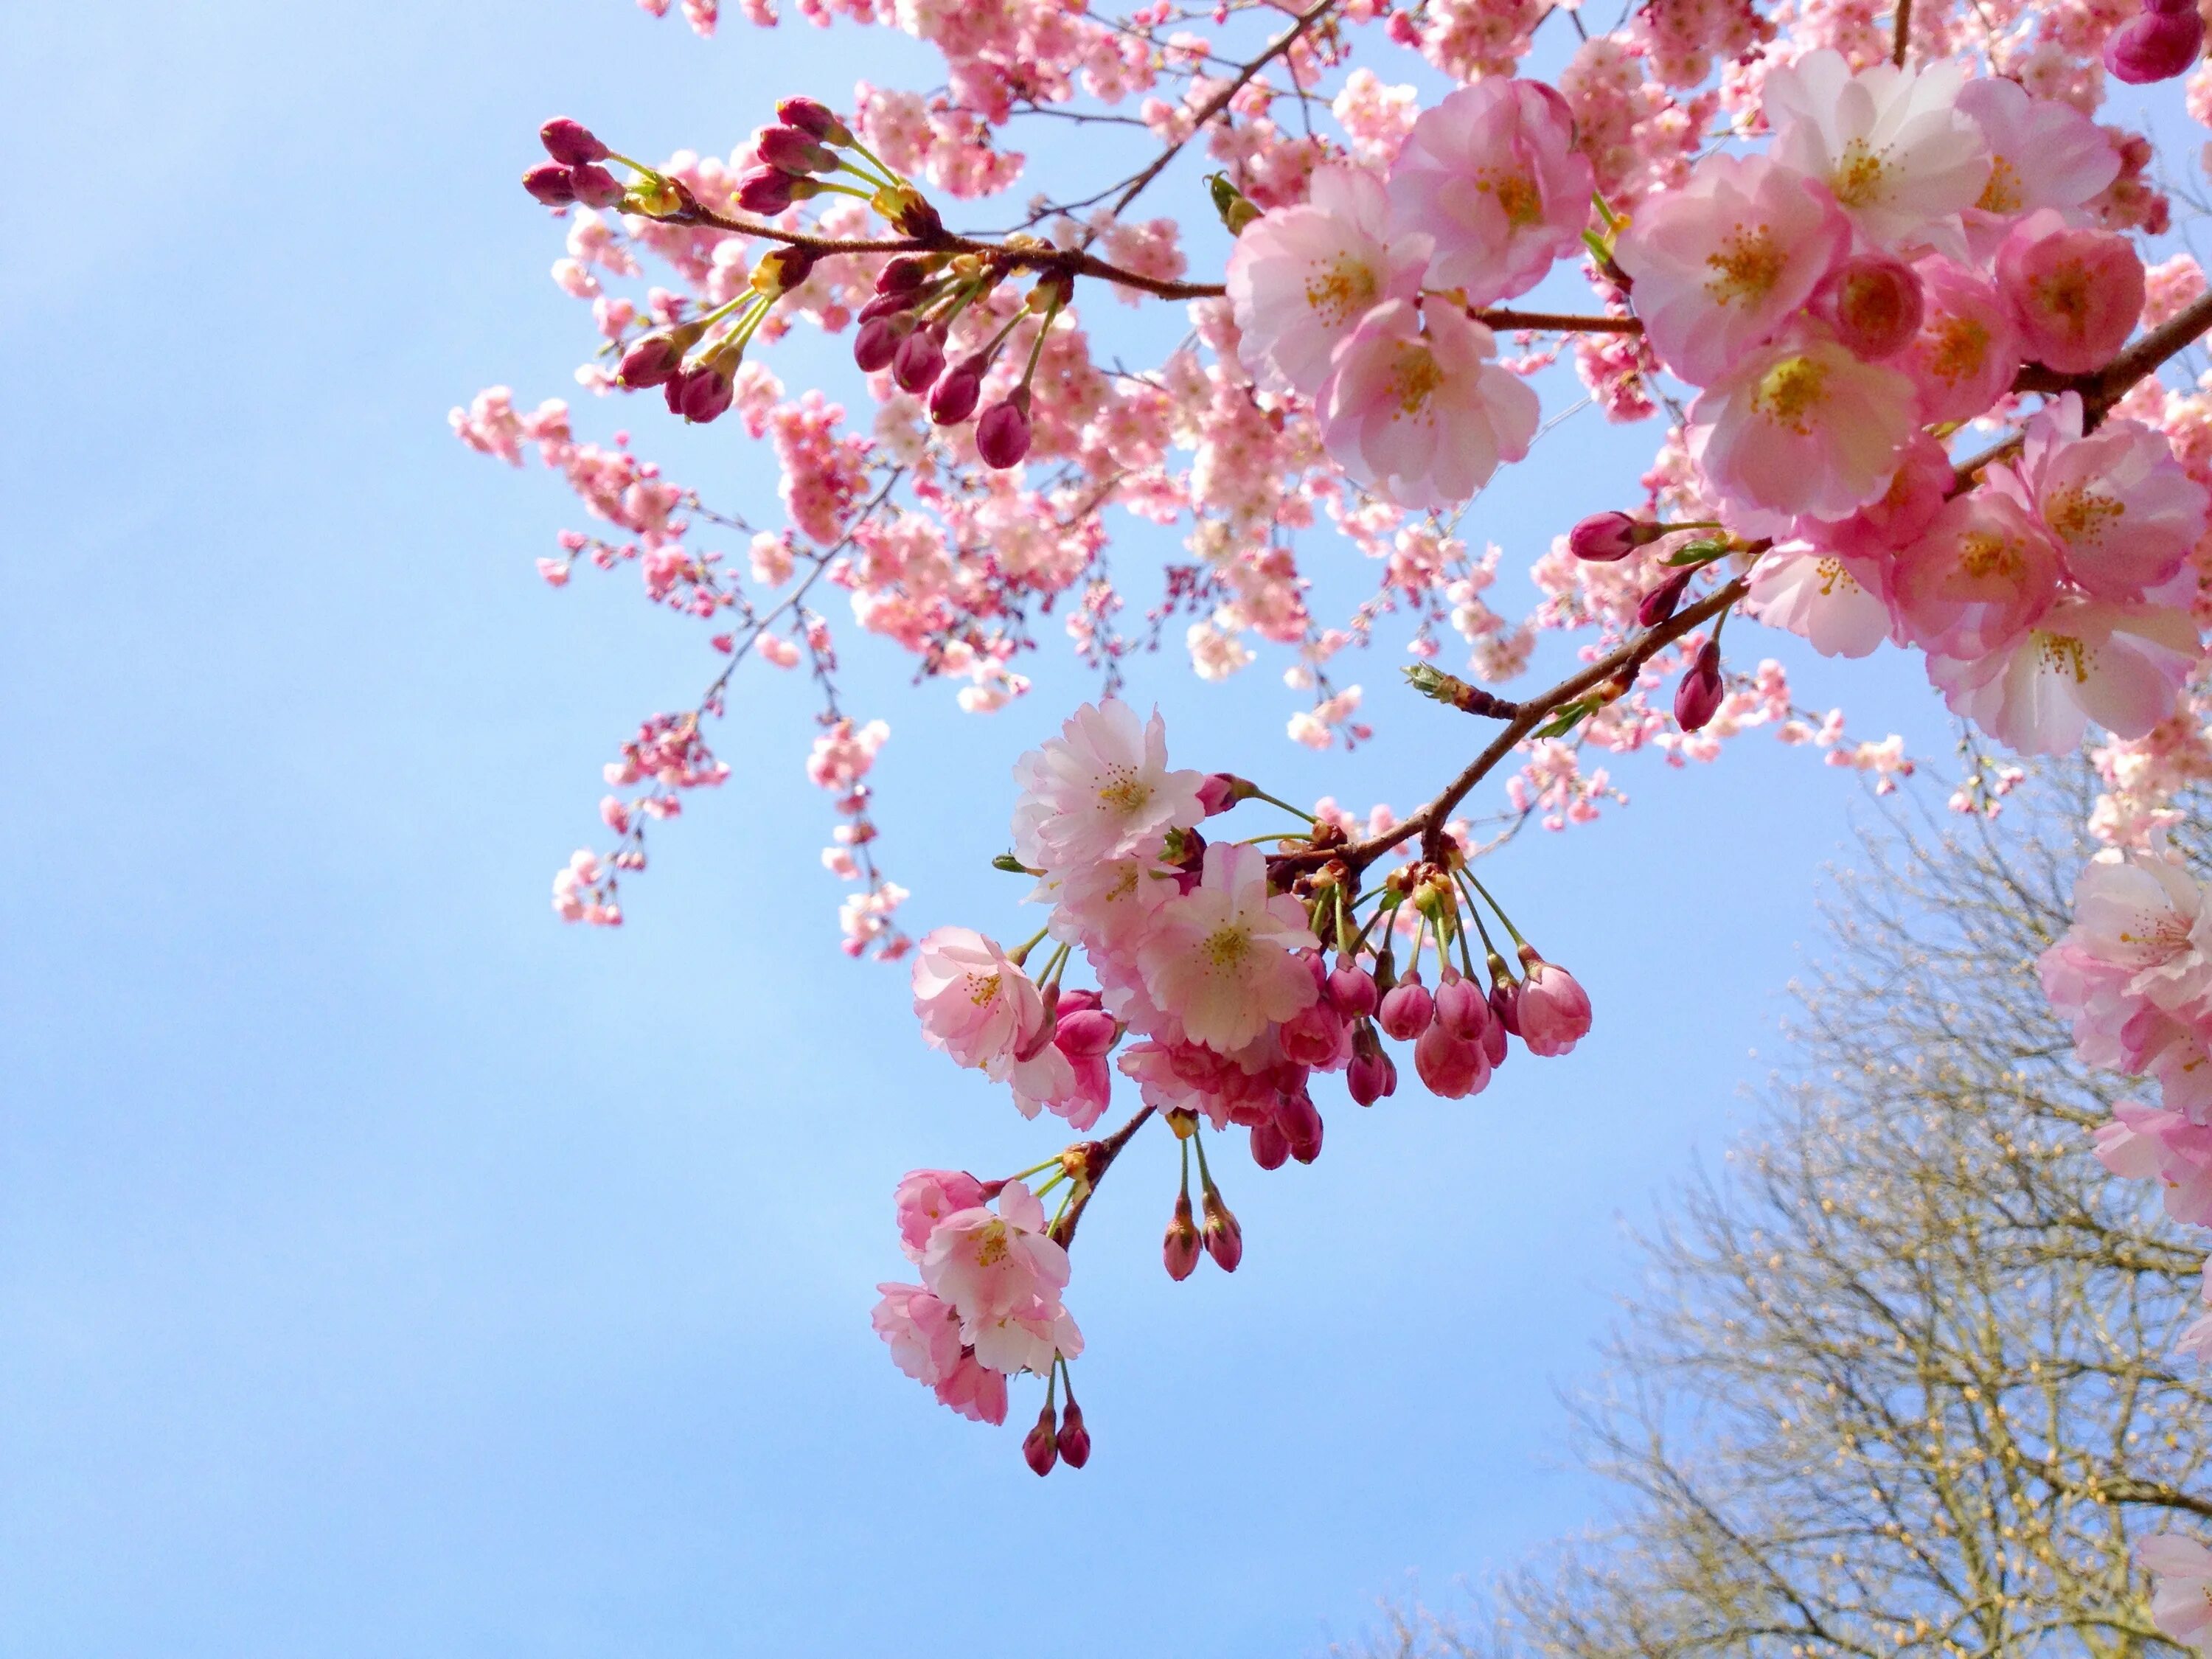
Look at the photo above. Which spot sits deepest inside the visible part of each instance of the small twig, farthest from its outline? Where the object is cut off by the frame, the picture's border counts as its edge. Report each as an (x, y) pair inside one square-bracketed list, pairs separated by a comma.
[(1098, 1157)]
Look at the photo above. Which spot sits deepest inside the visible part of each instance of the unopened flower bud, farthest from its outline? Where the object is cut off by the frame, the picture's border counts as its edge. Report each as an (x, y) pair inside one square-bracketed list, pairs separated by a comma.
[(1874, 303), (1371, 1077), (1406, 1011), (571, 142), (1451, 1066), (1603, 537), (920, 358), (1074, 1439), (1555, 1010), (1179, 1247), (767, 191), (651, 359), (953, 399), (876, 342), (550, 183), (789, 150), (1220, 793), (1660, 603), (1505, 994), (816, 120), (902, 275), (1698, 697), (1460, 1007), (780, 271), (1002, 435), (1299, 1120), (1225, 1239), (1352, 988), (709, 388), (909, 212), (1270, 1150), (890, 304), (2156, 45), (1314, 1037), (1088, 1031), (1041, 1445), (594, 186)]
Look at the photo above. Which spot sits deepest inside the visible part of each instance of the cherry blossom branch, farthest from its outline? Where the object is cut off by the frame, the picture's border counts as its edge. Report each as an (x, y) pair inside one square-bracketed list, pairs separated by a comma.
[(1097, 1157)]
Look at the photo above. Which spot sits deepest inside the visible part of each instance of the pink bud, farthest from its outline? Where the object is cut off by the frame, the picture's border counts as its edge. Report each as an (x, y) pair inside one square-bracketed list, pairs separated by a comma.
[(1659, 603), (571, 142), (789, 150), (1269, 1148), (1313, 1036), (1219, 793), (1352, 988), (1299, 1120), (1605, 537), (1451, 1066), (1074, 1438), (1505, 995), (766, 190), (814, 119), (1407, 1008), (1040, 1446), (953, 399), (1178, 1249), (650, 361), (1087, 1031), (1371, 1077), (707, 392), (888, 305), (1698, 697), (550, 183), (595, 186), (1555, 1010), (2156, 46), (876, 342), (785, 268), (1874, 303), (1460, 1008), (1002, 436), (1493, 1035), (1225, 1239), (920, 358), (902, 275)]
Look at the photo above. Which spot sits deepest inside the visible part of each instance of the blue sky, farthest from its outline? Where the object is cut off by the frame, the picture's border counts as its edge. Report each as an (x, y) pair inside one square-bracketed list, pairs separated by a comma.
[(385, 1268)]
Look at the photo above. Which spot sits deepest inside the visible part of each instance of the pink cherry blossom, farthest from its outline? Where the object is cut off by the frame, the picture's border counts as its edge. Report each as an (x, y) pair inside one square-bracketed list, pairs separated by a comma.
[(1026, 1339), (2120, 665), (1226, 956), (972, 1000), (1968, 349), (1802, 426), (1101, 788), (1491, 173), (2043, 153), (2144, 1143), (1721, 263), (1915, 495), (1891, 145), (2126, 513), (926, 1197), (1978, 577), (1819, 597), (2181, 1599), (1554, 1010), (924, 1332), (2149, 918), (1300, 278), (988, 1265), (2076, 293), (1415, 412)]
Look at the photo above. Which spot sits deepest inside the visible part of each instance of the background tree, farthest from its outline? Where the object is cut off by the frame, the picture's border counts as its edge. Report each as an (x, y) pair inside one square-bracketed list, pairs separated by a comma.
[(1899, 1379)]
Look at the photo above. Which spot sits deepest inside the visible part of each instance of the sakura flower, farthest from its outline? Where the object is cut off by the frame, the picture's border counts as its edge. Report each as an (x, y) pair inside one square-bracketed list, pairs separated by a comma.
[(1100, 789), (1923, 482), (1553, 1009), (2144, 1143), (973, 1001), (2126, 513), (1802, 426), (1819, 596), (924, 1332), (1300, 278), (974, 1390), (2077, 294), (1983, 573), (988, 1265), (926, 1197), (1968, 348), (1721, 263), (1416, 413), (2181, 1603), (1108, 905), (1492, 173), (2149, 918), (2043, 153), (1224, 959), (1026, 1339), (2120, 665), (1890, 144)]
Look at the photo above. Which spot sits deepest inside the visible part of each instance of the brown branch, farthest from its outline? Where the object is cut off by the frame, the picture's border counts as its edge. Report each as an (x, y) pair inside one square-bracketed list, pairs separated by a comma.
[(1094, 1158), (1902, 45)]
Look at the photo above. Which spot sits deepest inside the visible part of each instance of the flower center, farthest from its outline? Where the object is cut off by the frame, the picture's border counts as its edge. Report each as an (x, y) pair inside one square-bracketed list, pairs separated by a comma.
[(1789, 392), (2002, 192), (1516, 196), (1834, 577), (1744, 267), (1860, 179), (1227, 947), (1962, 348), (1413, 378), (1340, 291), (1984, 554), (1126, 792), (2061, 653), (991, 1245), (982, 989), (2079, 516), (2064, 296)]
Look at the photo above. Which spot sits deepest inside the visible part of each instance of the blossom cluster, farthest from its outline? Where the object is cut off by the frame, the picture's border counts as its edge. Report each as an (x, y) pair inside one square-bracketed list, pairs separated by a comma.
[(1229, 980)]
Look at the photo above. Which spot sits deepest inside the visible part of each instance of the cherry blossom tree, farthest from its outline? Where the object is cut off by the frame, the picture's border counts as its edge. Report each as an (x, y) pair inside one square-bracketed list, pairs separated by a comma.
[(1876, 278)]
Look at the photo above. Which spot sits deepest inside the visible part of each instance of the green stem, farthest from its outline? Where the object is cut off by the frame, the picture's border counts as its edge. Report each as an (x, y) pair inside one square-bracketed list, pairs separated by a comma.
[(1500, 909), (1021, 953), (1259, 793)]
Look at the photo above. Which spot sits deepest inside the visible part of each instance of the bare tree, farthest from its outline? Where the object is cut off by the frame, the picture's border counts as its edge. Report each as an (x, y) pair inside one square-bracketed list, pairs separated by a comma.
[(1899, 1379)]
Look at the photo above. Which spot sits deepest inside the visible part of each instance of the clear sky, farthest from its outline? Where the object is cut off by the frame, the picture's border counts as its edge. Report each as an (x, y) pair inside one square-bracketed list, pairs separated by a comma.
[(385, 1269)]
